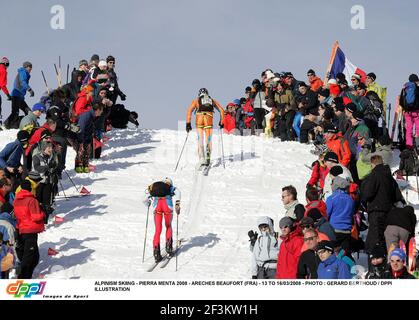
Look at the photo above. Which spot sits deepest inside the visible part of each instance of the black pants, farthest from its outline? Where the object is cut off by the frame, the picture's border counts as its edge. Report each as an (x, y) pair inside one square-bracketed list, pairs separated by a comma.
[(17, 104), (376, 228), (28, 254), (44, 194), (343, 240), (63, 153), (259, 116)]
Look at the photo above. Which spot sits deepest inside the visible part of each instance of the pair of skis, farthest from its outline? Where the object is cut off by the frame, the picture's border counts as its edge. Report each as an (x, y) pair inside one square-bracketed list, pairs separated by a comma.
[(165, 259)]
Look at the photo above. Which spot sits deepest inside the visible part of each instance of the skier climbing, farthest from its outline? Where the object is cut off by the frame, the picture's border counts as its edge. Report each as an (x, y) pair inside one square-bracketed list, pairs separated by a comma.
[(204, 107), (161, 195)]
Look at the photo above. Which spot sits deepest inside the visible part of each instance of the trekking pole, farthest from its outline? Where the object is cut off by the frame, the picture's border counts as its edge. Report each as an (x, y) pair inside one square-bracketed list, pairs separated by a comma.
[(146, 227), (58, 77), (71, 181), (68, 70), (180, 156), (222, 148), (61, 184), (45, 81), (177, 236), (407, 189)]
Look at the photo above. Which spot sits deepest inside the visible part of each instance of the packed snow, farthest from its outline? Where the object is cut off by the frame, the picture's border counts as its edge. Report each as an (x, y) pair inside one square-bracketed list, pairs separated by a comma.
[(102, 235)]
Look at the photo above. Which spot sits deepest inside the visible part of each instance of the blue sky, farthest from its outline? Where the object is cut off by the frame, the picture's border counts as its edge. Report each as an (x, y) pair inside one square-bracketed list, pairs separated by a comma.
[(167, 50)]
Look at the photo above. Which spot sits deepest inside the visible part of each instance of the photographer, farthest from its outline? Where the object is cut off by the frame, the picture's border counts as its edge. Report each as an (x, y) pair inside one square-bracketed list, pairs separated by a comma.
[(265, 248), (46, 164)]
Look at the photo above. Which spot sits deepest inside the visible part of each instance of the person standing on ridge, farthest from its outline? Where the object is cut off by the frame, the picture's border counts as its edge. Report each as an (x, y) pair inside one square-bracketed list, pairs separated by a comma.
[(204, 107)]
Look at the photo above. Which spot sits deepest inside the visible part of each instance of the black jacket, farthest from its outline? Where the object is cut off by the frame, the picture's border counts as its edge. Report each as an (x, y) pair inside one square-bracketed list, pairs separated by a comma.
[(381, 271), (379, 190), (307, 265), (307, 127), (403, 217), (404, 275), (72, 88), (309, 99)]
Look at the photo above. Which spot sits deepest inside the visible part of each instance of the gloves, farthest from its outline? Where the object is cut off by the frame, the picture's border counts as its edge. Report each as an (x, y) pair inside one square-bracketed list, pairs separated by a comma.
[(9, 97), (253, 237), (123, 97), (188, 127), (31, 93), (221, 125)]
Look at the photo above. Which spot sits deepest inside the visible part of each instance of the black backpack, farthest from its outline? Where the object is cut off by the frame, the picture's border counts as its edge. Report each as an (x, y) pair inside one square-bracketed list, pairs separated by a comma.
[(160, 189), (409, 164)]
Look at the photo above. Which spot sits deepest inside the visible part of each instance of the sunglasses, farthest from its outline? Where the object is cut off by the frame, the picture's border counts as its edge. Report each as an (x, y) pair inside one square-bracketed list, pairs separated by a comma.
[(309, 239), (286, 227)]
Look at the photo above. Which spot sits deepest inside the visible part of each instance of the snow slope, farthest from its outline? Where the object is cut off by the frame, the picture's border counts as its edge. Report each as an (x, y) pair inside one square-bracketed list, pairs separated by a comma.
[(102, 235)]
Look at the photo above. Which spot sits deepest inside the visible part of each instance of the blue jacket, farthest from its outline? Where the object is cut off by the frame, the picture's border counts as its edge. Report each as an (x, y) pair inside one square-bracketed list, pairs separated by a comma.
[(340, 210), (11, 154), (296, 124), (21, 84), (333, 268), (86, 123)]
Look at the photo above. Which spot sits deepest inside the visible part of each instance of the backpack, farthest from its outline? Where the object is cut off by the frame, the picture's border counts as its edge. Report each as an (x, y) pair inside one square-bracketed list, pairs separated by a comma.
[(205, 104), (160, 189), (410, 92), (409, 164), (376, 103)]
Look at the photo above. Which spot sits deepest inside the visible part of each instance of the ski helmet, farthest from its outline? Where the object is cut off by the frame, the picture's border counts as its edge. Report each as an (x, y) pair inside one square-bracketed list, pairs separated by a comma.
[(202, 91), (5, 61), (168, 181)]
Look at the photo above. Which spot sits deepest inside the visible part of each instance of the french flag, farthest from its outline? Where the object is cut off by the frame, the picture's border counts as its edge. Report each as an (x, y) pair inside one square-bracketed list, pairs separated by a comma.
[(339, 62)]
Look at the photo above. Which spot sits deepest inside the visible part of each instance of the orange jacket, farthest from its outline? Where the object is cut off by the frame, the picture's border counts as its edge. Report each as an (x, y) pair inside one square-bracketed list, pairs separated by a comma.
[(340, 146), (316, 84), (195, 105)]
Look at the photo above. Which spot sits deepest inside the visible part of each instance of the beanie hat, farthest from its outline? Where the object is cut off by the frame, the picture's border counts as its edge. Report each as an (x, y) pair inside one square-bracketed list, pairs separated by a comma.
[(248, 89), (35, 176), (23, 136), (110, 58), (340, 76), (26, 185), (372, 76), (45, 134), (302, 84), (314, 214), (324, 93), (286, 222), (311, 72), (330, 128), (27, 64), (398, 253), (378, 252), (356, 76), (38, 107), (325, 245), (351, 107), (340, 183), (102, 63), (413, 78), (332, 157), (94, 57), (336, 170), (332, 81), (83, 62)]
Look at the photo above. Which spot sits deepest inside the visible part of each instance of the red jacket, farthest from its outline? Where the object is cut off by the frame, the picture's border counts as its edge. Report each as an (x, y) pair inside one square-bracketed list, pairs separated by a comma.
[(289, 254), (30, 217), (36, 137), (340, 146), (319, 204), (82, 104), (318, 175), (3, 79), (248, 109), (229, 123), (316, 84)]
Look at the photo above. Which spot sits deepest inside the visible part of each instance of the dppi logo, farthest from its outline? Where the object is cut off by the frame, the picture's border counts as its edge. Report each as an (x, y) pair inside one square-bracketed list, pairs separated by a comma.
[(27, 290)]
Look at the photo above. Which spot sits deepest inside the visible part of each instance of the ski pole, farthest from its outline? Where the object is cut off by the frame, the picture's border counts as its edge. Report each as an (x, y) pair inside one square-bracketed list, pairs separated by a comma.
[(417, 184), (407, 189), (180, 156), (61, 184), (222, 148), (45, 81), (58, 77), (146, 227), (72, 181), (68, 69), (177, 235)]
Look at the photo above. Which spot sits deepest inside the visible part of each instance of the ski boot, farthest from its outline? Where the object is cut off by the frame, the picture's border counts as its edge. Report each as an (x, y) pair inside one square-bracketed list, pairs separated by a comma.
[(157, 254), (79, 169), (86, 169), (208, 158), (169, 247)]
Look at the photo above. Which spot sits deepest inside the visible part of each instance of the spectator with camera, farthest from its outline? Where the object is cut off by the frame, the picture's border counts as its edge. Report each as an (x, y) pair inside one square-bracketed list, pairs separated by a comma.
[(265, 249)]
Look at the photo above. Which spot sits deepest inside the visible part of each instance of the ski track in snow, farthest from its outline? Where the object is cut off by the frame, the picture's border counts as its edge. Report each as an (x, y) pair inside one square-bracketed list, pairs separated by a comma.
[(102, 234)]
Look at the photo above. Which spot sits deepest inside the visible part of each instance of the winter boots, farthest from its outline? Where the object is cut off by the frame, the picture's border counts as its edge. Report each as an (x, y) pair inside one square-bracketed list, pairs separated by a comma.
[(169, 247), (157, 254)]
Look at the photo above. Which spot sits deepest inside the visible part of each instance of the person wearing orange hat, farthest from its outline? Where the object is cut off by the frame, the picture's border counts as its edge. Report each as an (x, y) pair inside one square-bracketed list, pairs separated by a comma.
[(204, 107)]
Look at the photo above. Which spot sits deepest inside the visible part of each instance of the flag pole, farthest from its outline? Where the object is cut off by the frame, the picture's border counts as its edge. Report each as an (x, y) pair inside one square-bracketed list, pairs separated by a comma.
[(332, 58)]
